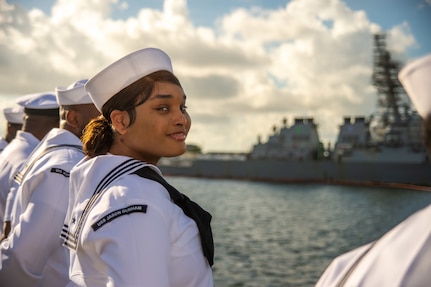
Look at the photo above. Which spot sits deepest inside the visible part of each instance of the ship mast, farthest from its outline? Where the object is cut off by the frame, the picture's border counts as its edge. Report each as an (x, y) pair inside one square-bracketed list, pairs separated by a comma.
[(385, 79)]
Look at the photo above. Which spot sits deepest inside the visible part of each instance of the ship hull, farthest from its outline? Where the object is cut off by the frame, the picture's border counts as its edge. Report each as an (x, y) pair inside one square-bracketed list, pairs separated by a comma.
[(410, 175)]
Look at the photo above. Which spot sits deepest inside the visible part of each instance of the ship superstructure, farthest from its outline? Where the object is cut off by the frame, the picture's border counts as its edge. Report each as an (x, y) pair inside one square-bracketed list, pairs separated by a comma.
[(384, 148), (299, 141), (391, 134)]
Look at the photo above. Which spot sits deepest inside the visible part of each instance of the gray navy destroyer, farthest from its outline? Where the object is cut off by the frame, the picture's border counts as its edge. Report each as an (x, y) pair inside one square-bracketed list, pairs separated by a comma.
[(383, 149)]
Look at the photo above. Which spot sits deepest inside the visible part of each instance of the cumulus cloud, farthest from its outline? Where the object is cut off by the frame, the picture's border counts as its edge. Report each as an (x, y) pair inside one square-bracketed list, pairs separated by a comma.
[(309, 58)]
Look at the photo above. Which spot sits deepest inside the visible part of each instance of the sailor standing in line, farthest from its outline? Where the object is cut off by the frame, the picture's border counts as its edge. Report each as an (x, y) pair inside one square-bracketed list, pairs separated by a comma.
[(128, 226), (402, 256), (14, 119), (32, 254), (40, 116)]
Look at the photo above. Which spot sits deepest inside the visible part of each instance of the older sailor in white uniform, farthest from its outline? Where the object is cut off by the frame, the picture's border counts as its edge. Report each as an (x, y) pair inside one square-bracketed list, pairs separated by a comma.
[(40, 116), (32, 254), (14, 120), (402, 256), (125, 229)]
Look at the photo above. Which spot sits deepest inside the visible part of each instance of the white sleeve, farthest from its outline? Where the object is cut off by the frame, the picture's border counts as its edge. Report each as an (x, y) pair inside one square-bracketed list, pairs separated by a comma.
[(135, 248), (10, 202), (336, 270), (5, 183), (24, 254)]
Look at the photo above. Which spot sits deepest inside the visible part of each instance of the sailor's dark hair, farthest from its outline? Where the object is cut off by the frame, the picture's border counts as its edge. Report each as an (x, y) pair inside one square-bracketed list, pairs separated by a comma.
[(98, 135)]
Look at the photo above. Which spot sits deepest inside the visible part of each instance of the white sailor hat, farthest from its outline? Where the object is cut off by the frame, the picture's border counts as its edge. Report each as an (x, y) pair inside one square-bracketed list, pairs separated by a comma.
[(39, 104), (416, 80), (14, 115), (74, 94), (124, 72)]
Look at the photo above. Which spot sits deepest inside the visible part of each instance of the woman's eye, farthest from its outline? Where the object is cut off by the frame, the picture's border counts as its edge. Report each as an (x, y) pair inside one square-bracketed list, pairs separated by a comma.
[(183, 108)]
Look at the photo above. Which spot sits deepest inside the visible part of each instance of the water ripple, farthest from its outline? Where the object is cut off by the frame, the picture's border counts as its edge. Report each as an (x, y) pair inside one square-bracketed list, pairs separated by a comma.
[(278, 235)]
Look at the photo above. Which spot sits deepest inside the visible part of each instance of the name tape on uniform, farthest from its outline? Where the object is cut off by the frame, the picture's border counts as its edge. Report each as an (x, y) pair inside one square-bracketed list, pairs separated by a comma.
[(60, 171), (117, 213)]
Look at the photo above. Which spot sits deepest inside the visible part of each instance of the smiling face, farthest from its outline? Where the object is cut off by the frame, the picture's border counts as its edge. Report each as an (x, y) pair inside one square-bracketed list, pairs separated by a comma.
[(160, 128)]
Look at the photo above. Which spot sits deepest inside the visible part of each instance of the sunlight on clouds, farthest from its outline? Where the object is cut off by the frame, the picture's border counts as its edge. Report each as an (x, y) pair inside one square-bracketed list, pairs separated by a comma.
[(344, 21), (267, 26), (309, 58), (399, 38), (22, 44), (5, 8), (310, 62), (175, 8), (80, 10), (257, 90)]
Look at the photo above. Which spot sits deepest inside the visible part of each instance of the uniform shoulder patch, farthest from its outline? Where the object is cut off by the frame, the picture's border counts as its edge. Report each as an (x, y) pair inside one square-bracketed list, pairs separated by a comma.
[(120, 212)]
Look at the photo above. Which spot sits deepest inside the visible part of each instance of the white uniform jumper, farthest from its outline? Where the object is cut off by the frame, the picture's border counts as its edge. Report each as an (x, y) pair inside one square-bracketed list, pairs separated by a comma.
[(124, 230), (11, 159), (33, 254), (402, 257)]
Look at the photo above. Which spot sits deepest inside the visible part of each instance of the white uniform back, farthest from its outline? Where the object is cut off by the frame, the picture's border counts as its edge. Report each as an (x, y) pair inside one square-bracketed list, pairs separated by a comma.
[(11, 159), (33, 253)]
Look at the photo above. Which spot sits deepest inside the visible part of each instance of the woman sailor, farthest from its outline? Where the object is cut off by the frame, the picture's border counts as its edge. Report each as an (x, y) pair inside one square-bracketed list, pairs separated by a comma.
[(126, 226)]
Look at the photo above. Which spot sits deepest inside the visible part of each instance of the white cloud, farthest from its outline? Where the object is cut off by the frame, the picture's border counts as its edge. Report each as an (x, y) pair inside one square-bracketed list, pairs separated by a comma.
[(311, 58), (399, 38), (123, 5)]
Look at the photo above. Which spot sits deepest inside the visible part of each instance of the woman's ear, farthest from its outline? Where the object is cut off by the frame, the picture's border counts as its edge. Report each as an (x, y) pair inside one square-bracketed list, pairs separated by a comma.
[(120, 121)]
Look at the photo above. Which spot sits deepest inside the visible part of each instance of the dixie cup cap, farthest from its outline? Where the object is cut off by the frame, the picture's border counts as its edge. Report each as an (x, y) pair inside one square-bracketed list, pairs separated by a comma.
[(44, 104), (74, 94), (124, 72), (14, 115)]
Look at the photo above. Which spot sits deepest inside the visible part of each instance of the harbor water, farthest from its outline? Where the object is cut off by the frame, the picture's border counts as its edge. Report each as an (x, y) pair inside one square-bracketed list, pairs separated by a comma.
[(278, 235)]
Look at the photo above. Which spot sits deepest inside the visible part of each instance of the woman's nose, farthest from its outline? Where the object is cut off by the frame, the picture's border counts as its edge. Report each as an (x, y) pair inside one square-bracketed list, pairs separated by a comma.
[(181, 118)]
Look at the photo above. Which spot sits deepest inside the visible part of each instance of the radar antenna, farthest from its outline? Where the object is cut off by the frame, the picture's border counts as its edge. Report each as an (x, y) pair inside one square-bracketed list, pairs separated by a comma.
[(385, 79)]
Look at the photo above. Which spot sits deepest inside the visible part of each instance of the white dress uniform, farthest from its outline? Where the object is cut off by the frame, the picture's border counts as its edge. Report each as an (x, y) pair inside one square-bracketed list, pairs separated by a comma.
[(402, 257), (22, 145), (124, 230), (11, 159), (33, 254)]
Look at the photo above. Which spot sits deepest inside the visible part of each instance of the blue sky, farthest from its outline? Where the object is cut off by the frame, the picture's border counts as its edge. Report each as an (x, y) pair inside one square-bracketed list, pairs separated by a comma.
[(244, 64)]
